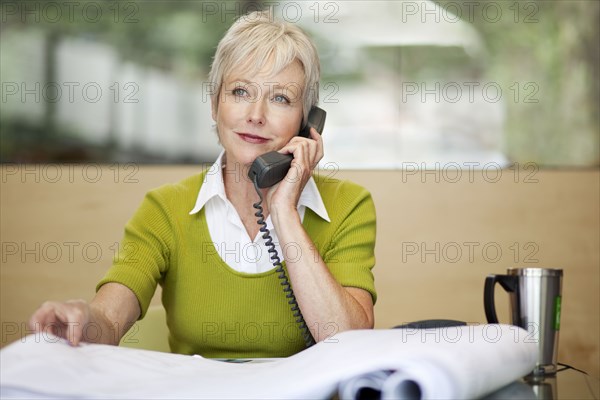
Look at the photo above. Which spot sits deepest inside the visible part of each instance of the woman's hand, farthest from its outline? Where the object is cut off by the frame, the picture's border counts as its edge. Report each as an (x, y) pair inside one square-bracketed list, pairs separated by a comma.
[(105, 320), (283, 197), (66, 320)]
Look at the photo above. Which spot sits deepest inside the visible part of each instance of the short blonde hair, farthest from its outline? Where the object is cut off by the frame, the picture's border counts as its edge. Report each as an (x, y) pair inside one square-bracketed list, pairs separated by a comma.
[(258, 37)]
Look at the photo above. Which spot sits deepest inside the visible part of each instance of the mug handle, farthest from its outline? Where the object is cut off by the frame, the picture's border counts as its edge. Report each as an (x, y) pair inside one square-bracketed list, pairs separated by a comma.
[(508, 282)]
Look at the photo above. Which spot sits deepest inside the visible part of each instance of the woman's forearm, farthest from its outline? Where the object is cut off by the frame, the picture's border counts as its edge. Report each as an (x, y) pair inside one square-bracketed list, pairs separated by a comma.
[(112, 313), (327, 307)]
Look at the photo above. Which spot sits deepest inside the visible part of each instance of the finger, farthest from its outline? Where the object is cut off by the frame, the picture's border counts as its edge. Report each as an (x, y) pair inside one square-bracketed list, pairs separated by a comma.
[(61, 325), (50, 321), (289, 146), (73, 317), (310, 153), (314, 134), (319, 140), (306, 155), (301, 150), (35, 321), (55, 319), (43, 317)]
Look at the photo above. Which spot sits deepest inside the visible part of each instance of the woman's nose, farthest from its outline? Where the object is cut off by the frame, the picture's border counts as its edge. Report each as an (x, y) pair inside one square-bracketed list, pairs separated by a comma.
[(256, 112)]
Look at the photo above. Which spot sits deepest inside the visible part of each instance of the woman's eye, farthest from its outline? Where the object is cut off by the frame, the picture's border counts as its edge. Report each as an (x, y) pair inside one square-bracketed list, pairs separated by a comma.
[(281, 99), (239, 92)]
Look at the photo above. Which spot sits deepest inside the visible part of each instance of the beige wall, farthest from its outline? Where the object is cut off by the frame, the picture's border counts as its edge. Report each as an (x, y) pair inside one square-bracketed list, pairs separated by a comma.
[(60, 224)]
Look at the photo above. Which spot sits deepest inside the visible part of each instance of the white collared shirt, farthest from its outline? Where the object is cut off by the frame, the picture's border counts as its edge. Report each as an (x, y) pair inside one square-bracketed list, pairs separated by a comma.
[(227, 232)]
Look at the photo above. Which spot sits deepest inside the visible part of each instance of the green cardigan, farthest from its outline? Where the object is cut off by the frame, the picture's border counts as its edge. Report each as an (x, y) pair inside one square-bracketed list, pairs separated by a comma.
[(214, 310)]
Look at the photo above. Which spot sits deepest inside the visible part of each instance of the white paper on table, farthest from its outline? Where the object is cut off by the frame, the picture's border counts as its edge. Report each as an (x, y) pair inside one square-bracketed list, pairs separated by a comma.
[(455, 362)]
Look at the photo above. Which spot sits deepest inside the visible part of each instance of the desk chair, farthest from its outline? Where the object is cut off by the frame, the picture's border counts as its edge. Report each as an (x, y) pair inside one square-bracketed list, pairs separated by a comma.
[(150, 333)]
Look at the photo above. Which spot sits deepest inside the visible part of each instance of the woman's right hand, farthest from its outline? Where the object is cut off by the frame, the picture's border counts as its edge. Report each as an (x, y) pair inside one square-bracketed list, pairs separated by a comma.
[(67, 320), (113, 311)]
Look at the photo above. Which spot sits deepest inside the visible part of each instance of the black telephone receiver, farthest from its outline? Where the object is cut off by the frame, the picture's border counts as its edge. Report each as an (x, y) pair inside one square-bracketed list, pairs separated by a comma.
[(272, 167), (266, 171)]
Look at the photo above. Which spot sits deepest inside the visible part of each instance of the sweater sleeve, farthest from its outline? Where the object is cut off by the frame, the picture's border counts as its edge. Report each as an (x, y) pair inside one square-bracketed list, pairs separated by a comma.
[(351, 254), (144, 252)]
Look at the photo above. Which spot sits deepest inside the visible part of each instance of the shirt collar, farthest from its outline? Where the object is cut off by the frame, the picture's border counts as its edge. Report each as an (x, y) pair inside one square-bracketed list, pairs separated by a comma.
[(213, 187)]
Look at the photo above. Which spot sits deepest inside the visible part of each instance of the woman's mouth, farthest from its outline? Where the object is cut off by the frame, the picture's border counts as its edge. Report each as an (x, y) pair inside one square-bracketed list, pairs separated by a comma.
[(247, 137)]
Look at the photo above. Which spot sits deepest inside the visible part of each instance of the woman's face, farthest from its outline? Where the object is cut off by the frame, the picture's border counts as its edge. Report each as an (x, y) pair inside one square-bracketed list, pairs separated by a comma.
[(258, 114)]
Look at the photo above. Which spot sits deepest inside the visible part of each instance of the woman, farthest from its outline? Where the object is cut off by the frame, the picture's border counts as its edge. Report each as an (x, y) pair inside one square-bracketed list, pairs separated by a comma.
[(199, 239)]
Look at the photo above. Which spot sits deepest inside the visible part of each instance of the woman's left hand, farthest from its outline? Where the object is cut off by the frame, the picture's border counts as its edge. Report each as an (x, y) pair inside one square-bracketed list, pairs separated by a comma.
[(283, 197)]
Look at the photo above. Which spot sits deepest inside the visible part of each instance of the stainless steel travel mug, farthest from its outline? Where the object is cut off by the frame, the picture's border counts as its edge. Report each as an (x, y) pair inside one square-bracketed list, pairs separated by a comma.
[(535, 302)]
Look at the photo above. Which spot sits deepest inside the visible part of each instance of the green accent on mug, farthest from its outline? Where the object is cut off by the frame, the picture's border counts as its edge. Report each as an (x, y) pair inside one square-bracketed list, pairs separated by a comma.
[(557, 301)]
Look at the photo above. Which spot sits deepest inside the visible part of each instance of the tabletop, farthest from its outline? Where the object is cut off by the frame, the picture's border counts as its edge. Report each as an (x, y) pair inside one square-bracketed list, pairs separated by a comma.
[(565, 384)]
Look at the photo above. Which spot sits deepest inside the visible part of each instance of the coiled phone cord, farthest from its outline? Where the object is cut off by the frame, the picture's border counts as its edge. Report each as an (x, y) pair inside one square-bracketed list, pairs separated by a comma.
[(284, 281)]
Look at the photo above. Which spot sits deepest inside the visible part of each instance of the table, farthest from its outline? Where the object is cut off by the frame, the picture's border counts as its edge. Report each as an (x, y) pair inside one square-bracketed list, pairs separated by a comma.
[(566, 384)]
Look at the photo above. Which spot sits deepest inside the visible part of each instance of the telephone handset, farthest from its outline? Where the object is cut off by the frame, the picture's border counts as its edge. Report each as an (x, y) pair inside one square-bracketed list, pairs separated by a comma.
[(272, 167), (266, 171)]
